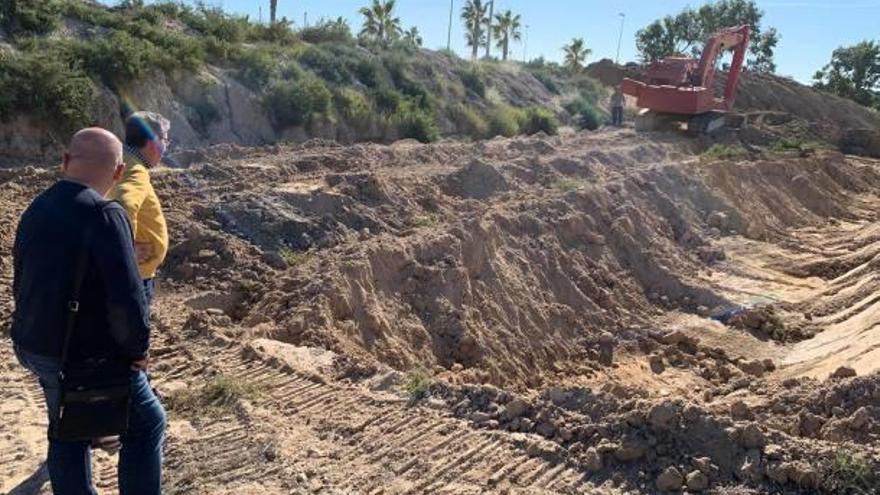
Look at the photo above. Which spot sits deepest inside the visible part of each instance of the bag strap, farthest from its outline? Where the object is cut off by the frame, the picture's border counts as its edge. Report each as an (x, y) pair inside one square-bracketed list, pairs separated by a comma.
[(79, 275)]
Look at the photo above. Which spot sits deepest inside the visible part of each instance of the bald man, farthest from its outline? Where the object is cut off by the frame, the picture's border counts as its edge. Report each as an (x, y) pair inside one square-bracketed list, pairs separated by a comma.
[(109, 337)]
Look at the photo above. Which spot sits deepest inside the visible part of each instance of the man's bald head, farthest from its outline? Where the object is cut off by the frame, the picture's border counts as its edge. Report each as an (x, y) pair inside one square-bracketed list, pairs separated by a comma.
[(94, 157)]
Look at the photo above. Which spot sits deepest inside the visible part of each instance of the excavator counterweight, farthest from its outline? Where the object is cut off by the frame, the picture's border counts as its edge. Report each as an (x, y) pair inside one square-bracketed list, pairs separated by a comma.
[(683, 89)]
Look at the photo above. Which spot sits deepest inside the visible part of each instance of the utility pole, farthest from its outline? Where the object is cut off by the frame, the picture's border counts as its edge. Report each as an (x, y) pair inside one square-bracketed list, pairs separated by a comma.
[(261, 14), (305, 19), (620, 38), (449, 32), (489, 29), (526, 46)]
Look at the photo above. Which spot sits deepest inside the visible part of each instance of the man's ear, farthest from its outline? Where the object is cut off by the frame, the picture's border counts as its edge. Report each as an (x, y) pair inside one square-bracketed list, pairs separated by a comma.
[(117, 174), (65, 161)]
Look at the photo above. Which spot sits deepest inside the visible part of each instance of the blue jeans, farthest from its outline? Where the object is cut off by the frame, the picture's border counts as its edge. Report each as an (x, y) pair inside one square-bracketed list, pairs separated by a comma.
[(140, 459), (149, 290)]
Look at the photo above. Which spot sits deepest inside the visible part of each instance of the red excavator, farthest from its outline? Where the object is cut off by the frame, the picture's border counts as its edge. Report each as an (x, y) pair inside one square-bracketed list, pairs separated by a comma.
[(680, 89)]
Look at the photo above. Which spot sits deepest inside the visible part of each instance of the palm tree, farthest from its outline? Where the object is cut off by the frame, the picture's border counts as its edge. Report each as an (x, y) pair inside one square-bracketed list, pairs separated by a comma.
[(379, 21), (507, 27), (474, 16), (412, 37), (575, 54), (273, 9)]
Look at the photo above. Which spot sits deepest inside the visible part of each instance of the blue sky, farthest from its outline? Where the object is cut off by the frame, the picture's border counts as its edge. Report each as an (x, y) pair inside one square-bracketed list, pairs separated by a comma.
[(811, 29)]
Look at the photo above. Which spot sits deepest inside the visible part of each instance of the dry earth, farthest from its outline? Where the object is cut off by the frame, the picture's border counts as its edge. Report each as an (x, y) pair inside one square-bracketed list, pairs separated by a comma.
[(591, 313)]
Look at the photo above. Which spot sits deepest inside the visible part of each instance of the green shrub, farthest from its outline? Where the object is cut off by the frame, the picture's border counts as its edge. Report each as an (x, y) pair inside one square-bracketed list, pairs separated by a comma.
[(30, 17), (368, 72), (540, 120), (331, 68), (327, 31), (473, 81), (544, 77), (256, 68), (222, 51), (586, 112), (279, 33), (223, 26), (417, 383), (119, 58), (415, 122), (469, 121), (42, 85), (205, 112), (723, 152), (216, 397), (850, 474), (504, 120), (789, 145), (352, 106), (294, 103), (387, 99)]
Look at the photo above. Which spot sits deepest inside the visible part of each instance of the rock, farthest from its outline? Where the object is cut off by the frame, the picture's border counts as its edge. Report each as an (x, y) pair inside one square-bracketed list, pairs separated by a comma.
[(655, 361), (670, 480), (546, 429), (739, 411), (718, 220), (844, 372), (804, 476), (777, 472), (704, 464), (515, 409), (774, 452), (526, 425), (630, 450), (752, 437), (274, 260), (697, 481), (809, 424), (593, 460), (479, 417), (456, 368), (753, 367), (702, 310), (769, 365), (860, 419), (565, 434), (675, 337), (662, 417)]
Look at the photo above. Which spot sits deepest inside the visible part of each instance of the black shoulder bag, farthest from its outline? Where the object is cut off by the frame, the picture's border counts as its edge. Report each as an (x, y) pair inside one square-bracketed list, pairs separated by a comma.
[(94, 400)]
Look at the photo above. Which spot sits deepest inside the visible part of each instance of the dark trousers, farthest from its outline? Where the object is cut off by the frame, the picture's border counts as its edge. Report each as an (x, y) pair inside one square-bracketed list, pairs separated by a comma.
[(140, 459), (150, 290), (617, 116)]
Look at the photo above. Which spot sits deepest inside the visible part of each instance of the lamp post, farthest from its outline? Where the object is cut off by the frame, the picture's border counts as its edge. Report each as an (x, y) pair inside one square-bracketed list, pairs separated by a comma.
[(620, 37), (449, 31)]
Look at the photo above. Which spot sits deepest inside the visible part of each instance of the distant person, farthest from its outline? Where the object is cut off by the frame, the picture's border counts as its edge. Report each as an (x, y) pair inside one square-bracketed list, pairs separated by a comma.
[(81, 318), (146, 141), (617, 103)]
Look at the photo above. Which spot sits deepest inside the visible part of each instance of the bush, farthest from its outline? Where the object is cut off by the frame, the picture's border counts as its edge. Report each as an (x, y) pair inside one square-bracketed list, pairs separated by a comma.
[(417, 383), (723, 152), (415, 122), (205, 112), (586, 112), (216, 397), (119, 58), (368, 72), (387, 99), (279, 33), (848, 473), (327, 31), (223, 26), (504, 120), (294, 103), (42, 85), (325, 64), (547, 80), (540, 119), (468, 121), (256, 68), (30, 17), (473, 80), (352, 106)]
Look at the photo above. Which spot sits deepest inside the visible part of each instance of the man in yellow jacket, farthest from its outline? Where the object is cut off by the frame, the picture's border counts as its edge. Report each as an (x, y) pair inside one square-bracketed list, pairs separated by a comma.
[(146, 139)]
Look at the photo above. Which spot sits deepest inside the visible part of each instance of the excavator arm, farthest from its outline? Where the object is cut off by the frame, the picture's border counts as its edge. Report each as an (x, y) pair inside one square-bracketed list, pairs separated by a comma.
[(736, 39)]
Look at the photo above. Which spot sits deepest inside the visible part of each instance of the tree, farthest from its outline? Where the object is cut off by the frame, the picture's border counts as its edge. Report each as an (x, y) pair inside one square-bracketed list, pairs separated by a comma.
[(474, 15), (379, 21), (685, 32), (575, 54), (273, 10), (507, 27), (854, 72), (412, 37)]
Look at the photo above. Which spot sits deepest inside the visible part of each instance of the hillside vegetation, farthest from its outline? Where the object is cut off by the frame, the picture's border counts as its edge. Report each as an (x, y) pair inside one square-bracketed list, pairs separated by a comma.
[(69, 63)]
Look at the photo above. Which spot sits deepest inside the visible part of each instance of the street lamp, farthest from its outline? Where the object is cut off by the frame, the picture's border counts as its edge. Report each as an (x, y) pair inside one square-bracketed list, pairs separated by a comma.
[(620, 37)]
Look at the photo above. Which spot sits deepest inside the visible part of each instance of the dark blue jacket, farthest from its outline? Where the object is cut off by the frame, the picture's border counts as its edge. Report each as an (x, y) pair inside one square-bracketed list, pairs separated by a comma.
[(113, 321)]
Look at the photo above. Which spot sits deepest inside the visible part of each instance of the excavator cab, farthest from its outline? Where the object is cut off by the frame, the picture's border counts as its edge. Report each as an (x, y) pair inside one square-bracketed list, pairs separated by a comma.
[(680, 89)]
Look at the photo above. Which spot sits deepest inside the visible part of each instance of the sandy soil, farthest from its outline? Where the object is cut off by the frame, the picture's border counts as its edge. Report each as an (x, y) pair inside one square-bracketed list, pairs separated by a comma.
[(560, 296)]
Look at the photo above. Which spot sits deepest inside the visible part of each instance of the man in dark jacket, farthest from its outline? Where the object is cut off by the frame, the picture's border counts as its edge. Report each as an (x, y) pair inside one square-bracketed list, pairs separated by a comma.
[(112, 328)]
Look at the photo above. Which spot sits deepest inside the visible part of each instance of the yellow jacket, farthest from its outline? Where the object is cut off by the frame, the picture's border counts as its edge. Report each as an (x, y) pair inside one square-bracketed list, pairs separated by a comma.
[(137, 196)]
